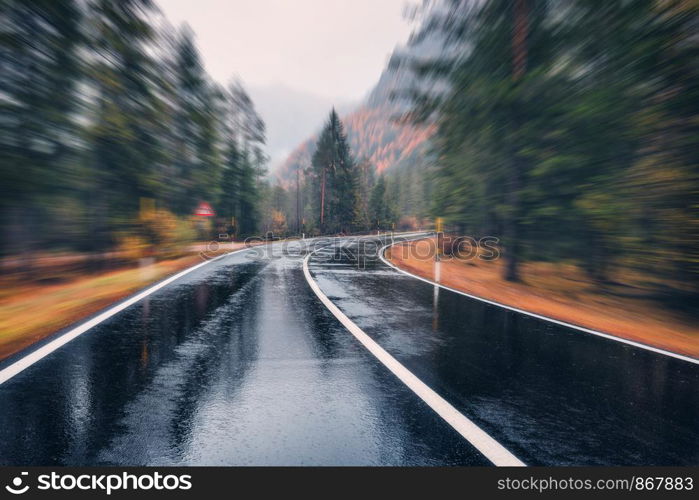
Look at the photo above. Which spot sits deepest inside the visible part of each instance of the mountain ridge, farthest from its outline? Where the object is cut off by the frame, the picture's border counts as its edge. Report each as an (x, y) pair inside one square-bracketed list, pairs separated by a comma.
[(375, 130)]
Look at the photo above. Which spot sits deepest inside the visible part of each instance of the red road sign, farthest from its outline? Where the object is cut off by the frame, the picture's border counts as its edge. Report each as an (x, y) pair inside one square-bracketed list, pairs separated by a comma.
[(204, 210)]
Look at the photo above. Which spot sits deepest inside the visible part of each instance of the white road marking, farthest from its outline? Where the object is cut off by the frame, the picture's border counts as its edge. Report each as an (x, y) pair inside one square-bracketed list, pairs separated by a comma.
[(534, 315), (31, 358), (489, 447)]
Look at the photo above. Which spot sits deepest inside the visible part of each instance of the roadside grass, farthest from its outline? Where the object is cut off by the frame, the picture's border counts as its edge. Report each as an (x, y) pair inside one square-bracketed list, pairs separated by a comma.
[(31, 310), (565, 293)]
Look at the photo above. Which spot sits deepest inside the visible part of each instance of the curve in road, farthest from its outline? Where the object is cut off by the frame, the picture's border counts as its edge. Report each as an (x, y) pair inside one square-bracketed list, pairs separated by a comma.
[(235, 363), (382, 256), (544, 391), (493, 451)]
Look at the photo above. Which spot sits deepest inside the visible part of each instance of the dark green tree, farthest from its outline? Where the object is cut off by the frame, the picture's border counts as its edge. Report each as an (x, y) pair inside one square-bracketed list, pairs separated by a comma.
[(564, 131), (40, 67), (334, 180), (198, 110), (381, 215), (124, 138)]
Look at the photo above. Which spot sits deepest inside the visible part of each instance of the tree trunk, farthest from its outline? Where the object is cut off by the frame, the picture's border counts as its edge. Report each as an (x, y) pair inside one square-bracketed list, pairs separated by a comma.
[(519, 39), (322, 201), (519, 68), (512, 224), (298, 200)]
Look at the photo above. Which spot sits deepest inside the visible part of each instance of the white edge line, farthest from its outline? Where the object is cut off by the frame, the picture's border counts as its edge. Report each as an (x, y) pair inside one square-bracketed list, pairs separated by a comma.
[(35, 356), (534, 315), (489, 447)]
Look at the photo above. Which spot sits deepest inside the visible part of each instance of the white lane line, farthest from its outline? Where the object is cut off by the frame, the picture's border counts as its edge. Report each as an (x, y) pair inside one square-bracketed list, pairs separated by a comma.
[(31, 358), (534, 315), (493, 451)]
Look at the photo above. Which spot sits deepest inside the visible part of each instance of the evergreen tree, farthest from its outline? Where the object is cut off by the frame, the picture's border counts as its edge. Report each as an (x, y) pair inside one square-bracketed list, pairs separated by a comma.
[(123, 138), (568, 123), (105, 117), (381, 215), (249, 208), (198, 111), (335, 181), (230, 193), (40, 68), (248, 131)]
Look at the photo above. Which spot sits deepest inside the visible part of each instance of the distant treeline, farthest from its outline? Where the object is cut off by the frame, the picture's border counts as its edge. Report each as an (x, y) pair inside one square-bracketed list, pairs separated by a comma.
[(111, 131), (336, 194), (571, 131)]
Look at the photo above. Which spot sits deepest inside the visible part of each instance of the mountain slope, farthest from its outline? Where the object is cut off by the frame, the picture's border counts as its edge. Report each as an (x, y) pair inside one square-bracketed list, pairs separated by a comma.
[(374, 130)]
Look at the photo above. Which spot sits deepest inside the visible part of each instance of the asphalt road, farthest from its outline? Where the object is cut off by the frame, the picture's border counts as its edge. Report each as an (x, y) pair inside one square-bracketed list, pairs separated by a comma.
[(239, 363)]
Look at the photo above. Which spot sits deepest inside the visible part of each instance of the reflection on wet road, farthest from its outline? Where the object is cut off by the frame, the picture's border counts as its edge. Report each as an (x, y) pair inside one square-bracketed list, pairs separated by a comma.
[(239, 363), (235, 363), (550, 394)]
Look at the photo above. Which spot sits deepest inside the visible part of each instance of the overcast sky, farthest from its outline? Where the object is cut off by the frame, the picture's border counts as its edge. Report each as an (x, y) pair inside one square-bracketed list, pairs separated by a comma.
[(330, 48)]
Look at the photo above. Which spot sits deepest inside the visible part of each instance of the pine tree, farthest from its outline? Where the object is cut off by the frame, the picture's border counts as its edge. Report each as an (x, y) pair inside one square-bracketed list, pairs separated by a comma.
[(40, 68), (229, 198), (124, 138), (335, 181), (248, 132), (380, 213), (197, 110), (249, 209), (105, 115), (566, 129)]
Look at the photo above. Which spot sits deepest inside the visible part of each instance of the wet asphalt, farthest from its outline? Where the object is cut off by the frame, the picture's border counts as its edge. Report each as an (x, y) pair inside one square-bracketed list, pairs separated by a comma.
[(238, 363)]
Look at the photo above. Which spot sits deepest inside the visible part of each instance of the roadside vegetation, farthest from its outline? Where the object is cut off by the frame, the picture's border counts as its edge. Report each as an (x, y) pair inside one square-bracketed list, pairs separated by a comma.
[(31, 311), (563, 291), (566, 130), (112, 136), (570, 130), (111, 127)]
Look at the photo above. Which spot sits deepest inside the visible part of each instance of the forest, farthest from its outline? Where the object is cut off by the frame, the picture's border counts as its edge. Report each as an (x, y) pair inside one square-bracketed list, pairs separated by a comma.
[(112, 133), (568, 130), (336, 194)]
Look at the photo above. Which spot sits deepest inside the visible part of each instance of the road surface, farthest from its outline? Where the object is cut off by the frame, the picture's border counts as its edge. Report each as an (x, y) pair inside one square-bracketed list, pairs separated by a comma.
[(240, 363)]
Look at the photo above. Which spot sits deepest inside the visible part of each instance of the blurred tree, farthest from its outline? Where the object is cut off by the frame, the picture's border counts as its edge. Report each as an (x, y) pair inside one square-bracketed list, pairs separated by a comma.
[(248, 132), (100, 111), (229, 200), (566, 129), (381, 215), (40, 68), (197, 134), (123, 136), (366, 173), (250, 198)]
